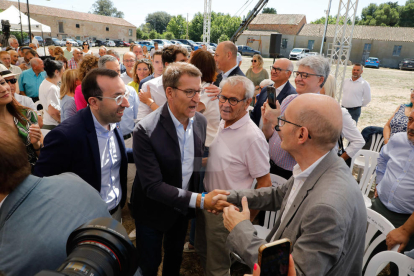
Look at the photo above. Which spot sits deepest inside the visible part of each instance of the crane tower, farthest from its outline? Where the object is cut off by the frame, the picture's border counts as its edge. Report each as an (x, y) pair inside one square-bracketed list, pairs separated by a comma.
[(207, 21)]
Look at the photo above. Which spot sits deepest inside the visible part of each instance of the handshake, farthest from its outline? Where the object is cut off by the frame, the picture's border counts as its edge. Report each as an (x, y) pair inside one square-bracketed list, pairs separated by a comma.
[(214, 201)]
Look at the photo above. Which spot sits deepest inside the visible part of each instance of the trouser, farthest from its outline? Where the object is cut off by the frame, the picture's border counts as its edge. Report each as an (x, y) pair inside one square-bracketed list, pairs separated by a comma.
[(371, 130), (355, 112), (210, 244), (149, 245), (49, 127), (117, 214)]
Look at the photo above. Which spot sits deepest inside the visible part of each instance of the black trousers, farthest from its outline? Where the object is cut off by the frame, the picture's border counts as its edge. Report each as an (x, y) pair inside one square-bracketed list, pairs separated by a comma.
[(275, 169)]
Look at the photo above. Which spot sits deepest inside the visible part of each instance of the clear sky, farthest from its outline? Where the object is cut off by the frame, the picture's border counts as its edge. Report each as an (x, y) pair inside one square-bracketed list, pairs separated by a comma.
[(136, 11)]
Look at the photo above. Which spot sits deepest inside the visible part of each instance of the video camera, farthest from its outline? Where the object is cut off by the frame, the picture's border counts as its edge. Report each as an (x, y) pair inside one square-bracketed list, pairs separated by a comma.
[(100, 247)]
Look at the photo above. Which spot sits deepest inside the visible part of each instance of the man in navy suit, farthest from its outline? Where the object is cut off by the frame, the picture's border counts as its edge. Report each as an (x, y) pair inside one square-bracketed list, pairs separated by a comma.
[(280, 72), (89, 144), (226, 61)]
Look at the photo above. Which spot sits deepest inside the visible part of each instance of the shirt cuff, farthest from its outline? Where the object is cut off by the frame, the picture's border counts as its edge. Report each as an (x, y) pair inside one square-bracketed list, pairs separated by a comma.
[(193, 200)]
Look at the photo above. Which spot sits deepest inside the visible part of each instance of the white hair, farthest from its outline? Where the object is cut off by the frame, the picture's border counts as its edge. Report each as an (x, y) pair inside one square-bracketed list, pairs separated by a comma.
[(11, 39), (266, 82), (319, 64), (247, 85), (104, 59)]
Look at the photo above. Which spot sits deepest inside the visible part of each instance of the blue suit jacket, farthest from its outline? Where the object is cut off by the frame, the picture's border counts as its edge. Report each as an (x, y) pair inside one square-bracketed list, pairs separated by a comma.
[(257, 113), (73, 147), (236, 72)]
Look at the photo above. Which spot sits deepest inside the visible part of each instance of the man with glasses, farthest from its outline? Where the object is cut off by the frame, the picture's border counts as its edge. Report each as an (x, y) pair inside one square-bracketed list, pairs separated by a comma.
[(129, 62), (280, 73), (90, 144), (67, 53), (239, 154), (76, 59), (168, 150), (322, 211)]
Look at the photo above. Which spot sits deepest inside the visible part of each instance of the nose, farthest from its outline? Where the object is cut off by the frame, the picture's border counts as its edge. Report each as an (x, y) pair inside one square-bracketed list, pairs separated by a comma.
[(125, 103), (197, 97)]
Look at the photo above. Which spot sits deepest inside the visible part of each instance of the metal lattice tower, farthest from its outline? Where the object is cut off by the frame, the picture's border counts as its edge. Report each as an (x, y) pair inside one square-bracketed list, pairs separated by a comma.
[(340, 49), (207, 21)]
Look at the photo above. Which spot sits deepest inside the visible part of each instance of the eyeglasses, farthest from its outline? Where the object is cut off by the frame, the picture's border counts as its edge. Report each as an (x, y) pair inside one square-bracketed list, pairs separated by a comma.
[(12, 81), (129, 60), (304, 75), (277, 69), (281, 122), (190, 92), (232, 101), (254, 60), (118, 99)]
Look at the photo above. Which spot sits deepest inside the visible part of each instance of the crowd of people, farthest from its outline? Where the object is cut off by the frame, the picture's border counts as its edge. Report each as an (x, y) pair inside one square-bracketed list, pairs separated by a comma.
[(169, 133)]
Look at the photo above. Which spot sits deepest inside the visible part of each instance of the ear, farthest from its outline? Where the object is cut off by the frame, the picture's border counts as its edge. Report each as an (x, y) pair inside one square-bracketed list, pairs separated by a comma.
[(169, 92), (303, 135), (248, 102), (93, 103)]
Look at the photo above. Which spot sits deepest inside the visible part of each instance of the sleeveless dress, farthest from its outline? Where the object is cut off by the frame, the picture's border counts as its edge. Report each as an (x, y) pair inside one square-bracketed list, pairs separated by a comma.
[(399, 121)]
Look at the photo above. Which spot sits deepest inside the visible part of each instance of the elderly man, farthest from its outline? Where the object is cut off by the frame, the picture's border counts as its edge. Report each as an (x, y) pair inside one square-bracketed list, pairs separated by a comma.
[(322, 210), (6, 60), (137, 49), (26, 203), (168, 148), (102, 51), (129, 62), (14, 57), (356, 92), (13, 43), (280, 72), (226, 61), (30, 80), (310, 78), (28, 54), (67, 53), (75, 60), (238, 155), (395, 173)]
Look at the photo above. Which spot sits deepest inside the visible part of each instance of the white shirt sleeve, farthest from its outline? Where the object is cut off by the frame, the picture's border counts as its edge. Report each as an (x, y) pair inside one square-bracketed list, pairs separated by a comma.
[(53, 98), (366, 97), (351, 133)]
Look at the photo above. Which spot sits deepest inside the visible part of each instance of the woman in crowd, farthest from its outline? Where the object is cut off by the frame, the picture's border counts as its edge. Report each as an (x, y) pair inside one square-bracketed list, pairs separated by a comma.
[(85, 48), (142, 69), (67, 93), (63, 60), (146, 53), (51, 50), (23, 119), (58, 51), (257, 73), (49, 93), (87, 64)]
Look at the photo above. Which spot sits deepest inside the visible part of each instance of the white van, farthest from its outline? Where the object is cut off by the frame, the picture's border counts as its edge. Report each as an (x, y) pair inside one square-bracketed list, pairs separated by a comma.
[(298, 53)]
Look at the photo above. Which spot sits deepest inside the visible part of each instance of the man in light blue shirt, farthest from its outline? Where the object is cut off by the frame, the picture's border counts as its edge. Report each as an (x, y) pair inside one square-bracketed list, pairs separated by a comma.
[(30, 80), (395, 178)]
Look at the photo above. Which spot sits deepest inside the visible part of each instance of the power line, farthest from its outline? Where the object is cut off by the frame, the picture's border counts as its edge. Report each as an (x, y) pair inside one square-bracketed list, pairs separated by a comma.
[(241, 8)]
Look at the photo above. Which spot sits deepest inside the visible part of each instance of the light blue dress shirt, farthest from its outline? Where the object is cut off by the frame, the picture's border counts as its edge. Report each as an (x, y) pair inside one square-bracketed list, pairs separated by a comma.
[(29, 83), (186, 141), (395, 174), (127, 123), (110, 157)]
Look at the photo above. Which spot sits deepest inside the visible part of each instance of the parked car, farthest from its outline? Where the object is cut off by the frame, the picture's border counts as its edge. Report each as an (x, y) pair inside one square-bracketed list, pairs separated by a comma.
[(247, 51), (52, 41), (190, 43), (188, 47), (109, 43), (162, 42), (74, 43), (80, 42), (407, 64), (99, 43), (149, 44), (298, 53), (213, 44), (372, 62), (40, 40), (313, 54), (210, 48)]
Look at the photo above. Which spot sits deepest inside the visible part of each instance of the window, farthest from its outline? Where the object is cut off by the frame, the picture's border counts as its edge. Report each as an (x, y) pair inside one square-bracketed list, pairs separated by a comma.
[(77, 26), (78, 38), (61, 27), (397, 50), (107, 29), (284, 43), (310, 44), (130, 32)]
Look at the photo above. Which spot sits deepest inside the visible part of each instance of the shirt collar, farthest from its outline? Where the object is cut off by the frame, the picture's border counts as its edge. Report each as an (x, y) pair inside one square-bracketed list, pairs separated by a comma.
[(302, 175), (226, 75), (241, 122), (358, 80), (99, 128), (175, 120), (280, 88), (4, 199)]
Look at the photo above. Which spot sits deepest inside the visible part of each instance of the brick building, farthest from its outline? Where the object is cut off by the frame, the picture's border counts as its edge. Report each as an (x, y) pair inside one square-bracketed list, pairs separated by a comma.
[(77, 25)]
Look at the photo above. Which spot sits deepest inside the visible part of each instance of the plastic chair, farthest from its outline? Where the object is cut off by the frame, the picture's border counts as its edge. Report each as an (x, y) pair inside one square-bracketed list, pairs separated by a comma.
[(44, 132), (404, 263), (367, 179), (376, 222), (377, 142)]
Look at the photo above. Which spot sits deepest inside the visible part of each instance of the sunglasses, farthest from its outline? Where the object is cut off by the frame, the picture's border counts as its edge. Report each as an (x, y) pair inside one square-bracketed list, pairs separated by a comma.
[(254, 60), (12, 81)]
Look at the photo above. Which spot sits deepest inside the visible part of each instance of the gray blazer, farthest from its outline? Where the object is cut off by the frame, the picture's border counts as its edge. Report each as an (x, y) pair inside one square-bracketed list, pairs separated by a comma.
[(326, 222)]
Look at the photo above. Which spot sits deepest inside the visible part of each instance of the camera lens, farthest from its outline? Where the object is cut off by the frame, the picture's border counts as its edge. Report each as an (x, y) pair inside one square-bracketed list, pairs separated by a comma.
[(100, 247)]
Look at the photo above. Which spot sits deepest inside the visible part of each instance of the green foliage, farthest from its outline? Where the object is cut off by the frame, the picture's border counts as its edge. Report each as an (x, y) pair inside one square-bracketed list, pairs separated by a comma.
[(168, 35), (153, 35), (223, 24), (331, 20), (158, 21), (145, 36), (269, 10), (146, 27), (177, 26), (139, 33), (223, 37), (407, 14), (18, 36), (106, 7), (195, 29)]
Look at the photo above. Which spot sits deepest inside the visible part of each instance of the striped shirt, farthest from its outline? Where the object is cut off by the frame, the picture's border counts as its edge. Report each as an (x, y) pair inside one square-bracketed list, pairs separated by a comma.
[(72, 64)]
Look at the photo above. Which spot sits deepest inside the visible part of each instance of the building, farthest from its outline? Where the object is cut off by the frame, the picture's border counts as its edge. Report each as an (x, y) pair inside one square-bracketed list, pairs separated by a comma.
[(389, 44), (77, 25)]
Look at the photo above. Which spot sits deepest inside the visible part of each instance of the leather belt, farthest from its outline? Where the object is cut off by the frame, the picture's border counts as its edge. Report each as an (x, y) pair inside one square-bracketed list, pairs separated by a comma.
[(351, 107), (127, 136)]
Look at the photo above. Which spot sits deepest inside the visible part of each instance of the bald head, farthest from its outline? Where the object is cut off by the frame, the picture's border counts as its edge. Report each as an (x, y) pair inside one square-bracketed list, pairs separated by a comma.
[(13, 56), (37, 65), (77, 54), (283, 71), (129, 60), (226, 55), (321, 115)]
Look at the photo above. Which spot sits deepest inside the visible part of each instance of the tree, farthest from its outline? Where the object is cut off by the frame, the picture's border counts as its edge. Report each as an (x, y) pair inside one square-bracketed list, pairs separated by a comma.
[(158, 21), (106, 7), (331, 20), (269, 10), (153, 35), (139, 33), (385, 15), (168, 35), (223, 37), (177, 26), (195, 29), (145, 36), (407, 14)]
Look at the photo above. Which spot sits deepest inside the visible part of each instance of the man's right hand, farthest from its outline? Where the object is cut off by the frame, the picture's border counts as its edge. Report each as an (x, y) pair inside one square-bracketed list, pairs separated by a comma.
[(214, 201)]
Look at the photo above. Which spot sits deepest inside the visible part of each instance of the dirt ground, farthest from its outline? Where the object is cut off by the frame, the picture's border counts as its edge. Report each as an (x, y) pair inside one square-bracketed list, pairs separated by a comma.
[(389, 88)]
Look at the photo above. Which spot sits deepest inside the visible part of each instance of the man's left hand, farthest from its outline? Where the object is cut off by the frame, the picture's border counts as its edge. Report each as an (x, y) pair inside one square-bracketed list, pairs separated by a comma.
[(397, 236), (232, 217)]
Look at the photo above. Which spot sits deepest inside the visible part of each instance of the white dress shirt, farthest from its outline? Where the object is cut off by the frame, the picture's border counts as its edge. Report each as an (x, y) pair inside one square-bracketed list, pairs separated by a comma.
[(125, 78), (356, 93), (157, 94)]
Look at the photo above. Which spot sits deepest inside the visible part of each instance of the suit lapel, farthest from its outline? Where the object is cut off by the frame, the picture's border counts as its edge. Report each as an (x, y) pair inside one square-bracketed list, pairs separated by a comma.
[(93, 143), (168, 124), (283, 92)]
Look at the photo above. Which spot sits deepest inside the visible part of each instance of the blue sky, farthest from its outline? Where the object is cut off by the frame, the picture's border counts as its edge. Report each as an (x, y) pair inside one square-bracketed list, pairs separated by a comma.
[(136, 11)]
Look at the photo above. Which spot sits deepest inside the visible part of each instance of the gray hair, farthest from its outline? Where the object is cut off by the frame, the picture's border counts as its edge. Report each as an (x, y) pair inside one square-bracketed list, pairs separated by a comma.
[(266, 82), (247, 85), (11, 39), (318, 64), (104, 59), (113, 52)]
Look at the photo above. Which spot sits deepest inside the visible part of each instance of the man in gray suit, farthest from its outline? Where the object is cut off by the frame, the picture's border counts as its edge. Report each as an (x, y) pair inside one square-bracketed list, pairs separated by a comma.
[(321, 207)]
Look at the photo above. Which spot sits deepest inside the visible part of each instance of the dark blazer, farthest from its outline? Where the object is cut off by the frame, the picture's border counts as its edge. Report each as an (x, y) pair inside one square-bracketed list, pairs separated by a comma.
[(73, 147), (236, 72), (257, 112), (150, 77), (156, 200)]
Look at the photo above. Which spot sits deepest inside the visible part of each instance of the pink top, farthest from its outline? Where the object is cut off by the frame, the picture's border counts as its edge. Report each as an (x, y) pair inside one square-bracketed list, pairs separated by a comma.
[(238, 155), (79, 99)]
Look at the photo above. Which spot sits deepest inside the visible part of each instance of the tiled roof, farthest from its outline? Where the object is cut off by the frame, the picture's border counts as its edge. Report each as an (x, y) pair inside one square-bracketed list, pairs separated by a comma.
[(42, 10), (289, 19), (402, 34), (263, 33)]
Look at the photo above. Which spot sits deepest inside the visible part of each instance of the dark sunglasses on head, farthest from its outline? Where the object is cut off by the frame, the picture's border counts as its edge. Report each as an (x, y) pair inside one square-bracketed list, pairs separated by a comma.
[(12, 81)]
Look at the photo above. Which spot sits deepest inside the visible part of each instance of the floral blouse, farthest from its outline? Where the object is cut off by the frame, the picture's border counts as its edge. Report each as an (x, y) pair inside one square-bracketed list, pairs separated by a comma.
[(24, 133), (399, 121)]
